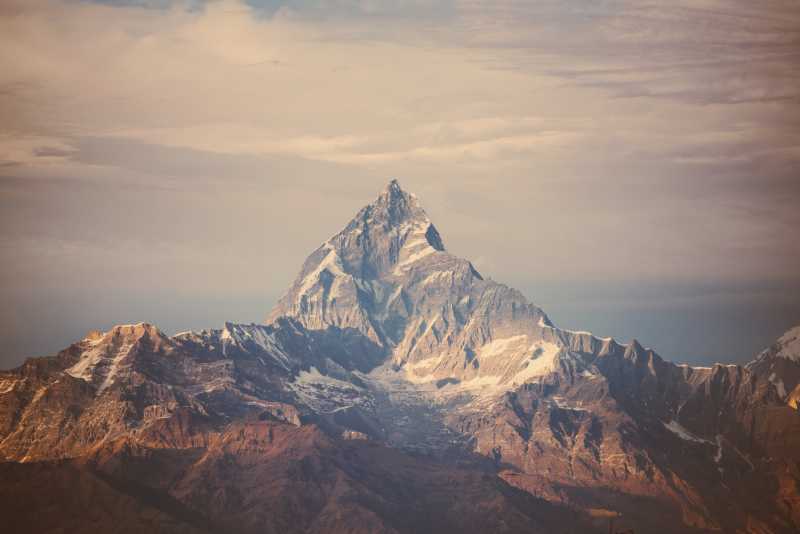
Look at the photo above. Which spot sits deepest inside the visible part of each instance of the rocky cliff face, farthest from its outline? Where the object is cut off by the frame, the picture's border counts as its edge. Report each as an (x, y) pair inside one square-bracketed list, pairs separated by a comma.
[(388, 276), (386, 348)]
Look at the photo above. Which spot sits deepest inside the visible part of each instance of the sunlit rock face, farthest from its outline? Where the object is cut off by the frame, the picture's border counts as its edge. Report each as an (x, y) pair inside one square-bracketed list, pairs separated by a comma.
[(462, 359), (388, 277), (395, 373), (778, 367)]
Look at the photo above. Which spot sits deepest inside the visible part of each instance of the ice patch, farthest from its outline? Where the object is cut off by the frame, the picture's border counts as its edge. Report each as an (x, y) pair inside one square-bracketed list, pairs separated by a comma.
[(421, 372)]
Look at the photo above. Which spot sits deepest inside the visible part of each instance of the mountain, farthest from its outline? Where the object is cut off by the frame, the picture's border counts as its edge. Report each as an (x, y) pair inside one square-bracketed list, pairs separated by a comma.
[(394, 388), (779, 365)]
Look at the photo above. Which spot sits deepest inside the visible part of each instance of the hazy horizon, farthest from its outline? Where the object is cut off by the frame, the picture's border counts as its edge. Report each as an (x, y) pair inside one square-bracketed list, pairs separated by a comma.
[(690, 321), (631, 167)]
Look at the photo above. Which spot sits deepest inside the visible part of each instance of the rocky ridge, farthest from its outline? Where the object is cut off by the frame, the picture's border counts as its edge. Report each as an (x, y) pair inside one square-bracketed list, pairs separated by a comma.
[(389, 349)]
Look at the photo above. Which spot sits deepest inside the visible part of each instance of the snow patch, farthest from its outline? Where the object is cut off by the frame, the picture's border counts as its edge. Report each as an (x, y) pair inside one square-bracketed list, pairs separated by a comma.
[(677, 429), (331, 263), (560, 403), (581, 333), (718, 455), (395, 294), (100, 360), (215, 384), (415, 247), (790, 345), (247, 336), (413, 370), (325, 394), (413, 258), (531, 361), (778, 383), (542, 363), (434, 278), (501, 347)]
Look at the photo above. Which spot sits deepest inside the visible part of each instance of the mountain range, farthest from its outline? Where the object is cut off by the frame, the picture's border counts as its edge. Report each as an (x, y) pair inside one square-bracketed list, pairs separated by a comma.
[(396, 389)]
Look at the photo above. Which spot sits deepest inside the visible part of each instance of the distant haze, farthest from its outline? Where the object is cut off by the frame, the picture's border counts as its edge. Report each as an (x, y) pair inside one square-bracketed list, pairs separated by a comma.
[(631, 167)]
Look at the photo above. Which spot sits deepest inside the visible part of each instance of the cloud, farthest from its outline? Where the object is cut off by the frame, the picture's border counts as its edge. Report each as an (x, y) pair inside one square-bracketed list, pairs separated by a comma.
[(33, 149), (224, 79), (602, 141)]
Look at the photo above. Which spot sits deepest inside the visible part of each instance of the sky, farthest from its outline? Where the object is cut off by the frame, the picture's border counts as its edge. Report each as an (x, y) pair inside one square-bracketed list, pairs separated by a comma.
[(632, 167)]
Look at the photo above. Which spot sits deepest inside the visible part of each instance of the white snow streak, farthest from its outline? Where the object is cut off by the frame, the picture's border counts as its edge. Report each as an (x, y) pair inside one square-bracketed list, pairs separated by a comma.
[(331, 263), (677, 429)]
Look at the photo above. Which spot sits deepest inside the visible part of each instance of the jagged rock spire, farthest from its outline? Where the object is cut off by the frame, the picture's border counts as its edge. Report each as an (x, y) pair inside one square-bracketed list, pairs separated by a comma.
[(343, 282), (397, 205), (389, 217), (387, 278), (382, 240)]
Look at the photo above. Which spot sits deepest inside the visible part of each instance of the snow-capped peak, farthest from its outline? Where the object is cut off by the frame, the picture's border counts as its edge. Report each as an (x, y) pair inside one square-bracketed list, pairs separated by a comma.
[(388, 237), (786, 347), (394, 208), (393, 194), (387, 277), (789, 345), (107, 355)]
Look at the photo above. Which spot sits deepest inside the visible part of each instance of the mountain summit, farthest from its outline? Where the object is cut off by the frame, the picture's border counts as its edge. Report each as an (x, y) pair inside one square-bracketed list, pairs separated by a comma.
[(384, 347), (387, 277), (343, 278), (394, 207)]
